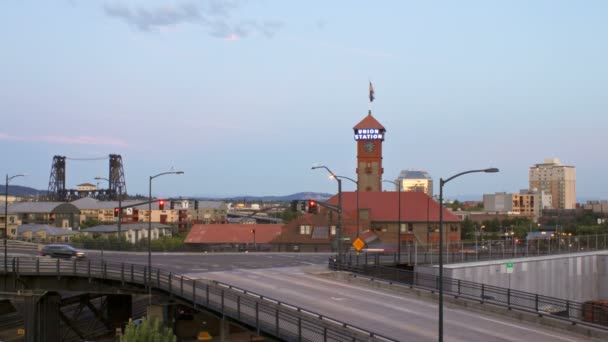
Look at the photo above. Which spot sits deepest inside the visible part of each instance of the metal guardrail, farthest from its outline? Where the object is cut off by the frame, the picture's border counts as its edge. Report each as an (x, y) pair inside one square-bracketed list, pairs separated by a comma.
[(273, 317), (21, 245), (575, 312), (472, 251)]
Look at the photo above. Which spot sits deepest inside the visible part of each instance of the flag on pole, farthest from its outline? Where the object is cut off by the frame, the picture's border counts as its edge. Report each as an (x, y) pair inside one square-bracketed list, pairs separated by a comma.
[(371, 92)]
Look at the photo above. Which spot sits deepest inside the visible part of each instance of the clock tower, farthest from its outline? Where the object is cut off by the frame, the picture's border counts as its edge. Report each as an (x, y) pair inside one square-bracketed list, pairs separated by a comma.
[(369, 135)]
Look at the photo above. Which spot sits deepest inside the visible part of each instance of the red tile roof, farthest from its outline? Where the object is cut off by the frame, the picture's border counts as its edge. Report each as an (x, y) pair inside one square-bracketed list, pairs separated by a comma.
[(369, 122), (383, 206), (233, 233)]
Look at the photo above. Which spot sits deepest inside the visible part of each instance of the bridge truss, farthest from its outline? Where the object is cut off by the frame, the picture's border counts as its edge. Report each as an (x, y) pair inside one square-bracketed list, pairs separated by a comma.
[(57, 190)]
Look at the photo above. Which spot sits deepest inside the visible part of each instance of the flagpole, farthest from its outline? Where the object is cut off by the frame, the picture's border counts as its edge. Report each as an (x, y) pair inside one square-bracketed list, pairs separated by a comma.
[(371, 97)]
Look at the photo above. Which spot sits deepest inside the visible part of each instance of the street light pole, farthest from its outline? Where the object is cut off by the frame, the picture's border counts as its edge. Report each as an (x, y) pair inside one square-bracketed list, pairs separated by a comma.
[(441, 184), (6, 217), (150, 226), (119, 205), (339, 232), (357, 183), (398, 219)]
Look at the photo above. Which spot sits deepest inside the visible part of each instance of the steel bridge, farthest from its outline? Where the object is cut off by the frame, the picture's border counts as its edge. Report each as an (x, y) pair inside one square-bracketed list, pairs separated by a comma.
[(269, 317)]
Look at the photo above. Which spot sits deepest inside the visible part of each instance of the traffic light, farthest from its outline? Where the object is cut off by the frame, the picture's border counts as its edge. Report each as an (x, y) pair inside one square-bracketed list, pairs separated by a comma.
[(294, 205), (312, 207), (252, 231), (161, 204), (116, 210)]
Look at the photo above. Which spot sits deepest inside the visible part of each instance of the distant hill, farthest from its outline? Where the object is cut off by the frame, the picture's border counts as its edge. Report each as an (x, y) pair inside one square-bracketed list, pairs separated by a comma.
[(22, 191), (297, 196)]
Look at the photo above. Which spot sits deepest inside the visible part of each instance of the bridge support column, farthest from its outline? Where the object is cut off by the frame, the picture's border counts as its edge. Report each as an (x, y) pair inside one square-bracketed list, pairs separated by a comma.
[(41, 317), (164, 313), (158, 312), (224, 329), (119, 310)]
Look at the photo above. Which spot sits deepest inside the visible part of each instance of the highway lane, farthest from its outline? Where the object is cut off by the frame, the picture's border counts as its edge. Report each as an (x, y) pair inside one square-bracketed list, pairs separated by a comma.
[(205, 262), (398, 316)]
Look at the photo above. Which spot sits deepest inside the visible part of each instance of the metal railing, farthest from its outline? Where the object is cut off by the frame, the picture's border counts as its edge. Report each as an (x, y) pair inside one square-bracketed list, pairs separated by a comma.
[(587, 313), (482, 250), (267, 315)]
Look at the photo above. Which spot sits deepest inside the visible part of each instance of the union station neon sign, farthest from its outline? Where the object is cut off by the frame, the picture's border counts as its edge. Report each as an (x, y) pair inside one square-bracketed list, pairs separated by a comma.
[(369, 134)]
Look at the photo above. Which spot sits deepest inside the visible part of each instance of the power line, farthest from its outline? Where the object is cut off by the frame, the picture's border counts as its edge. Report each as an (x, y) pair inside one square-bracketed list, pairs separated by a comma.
[(82, 159)]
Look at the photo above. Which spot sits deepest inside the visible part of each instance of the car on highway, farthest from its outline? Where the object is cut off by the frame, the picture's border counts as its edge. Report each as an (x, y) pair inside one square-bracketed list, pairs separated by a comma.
[(62, 251)]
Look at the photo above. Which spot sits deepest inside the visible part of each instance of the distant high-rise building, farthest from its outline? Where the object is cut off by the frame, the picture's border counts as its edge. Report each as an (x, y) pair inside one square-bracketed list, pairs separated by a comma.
[(415, 181), (554, 178), (523, 203)]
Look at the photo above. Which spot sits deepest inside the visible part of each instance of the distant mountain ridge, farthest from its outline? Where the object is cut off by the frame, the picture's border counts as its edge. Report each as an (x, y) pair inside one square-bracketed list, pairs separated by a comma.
[(318, 196), (21, 191), (24, 191)]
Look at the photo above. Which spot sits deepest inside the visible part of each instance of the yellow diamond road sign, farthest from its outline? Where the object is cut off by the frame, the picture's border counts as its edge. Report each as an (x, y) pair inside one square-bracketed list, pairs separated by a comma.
[(358, 244)]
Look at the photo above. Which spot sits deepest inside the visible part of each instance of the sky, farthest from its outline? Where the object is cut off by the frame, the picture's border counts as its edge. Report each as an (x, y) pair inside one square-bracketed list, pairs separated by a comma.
[(246, 96)]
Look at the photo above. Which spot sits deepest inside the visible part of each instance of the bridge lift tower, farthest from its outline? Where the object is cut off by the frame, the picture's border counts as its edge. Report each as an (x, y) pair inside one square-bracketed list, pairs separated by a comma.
[(57, 187)]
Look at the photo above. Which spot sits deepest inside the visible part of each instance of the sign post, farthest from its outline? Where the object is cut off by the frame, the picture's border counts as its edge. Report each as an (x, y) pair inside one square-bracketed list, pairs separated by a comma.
[(509, 267)]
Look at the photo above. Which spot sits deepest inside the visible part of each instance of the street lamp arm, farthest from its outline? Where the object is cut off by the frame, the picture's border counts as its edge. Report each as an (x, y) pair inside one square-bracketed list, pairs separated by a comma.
[(168, 173), (333, 175), (490, 170), (350, 179), (15, 176)]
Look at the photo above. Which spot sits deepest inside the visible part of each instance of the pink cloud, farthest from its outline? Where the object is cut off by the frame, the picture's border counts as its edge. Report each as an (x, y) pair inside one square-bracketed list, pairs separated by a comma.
[(232, 37), (67, 140)]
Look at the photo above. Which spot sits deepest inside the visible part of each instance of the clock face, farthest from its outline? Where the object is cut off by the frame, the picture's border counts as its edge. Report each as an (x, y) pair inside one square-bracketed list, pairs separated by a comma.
[(369, 146)]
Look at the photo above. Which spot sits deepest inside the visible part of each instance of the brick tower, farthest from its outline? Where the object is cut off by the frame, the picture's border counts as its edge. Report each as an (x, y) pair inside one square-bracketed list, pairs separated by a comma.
[(369, 134)]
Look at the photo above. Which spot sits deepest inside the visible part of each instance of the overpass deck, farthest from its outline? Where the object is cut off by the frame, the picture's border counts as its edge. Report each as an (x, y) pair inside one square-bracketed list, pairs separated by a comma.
[(269, 316), (398, 316)]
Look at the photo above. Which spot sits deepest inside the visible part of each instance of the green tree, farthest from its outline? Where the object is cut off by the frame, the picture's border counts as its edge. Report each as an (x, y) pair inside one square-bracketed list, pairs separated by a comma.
[(147, 331), (455, 205), (91, 222), (468, 229), (288, 215)]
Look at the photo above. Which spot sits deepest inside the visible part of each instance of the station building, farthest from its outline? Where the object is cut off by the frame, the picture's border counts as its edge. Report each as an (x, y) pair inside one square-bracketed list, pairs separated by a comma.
[(377, 216)]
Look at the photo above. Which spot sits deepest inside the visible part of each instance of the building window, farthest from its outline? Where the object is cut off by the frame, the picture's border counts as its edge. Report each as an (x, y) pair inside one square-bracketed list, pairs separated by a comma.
[(410, 227), (304, 230), (332, 230)]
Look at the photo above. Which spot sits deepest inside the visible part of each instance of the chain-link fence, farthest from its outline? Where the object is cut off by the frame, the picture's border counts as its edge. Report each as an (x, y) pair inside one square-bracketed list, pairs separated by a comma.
[(481, 250)]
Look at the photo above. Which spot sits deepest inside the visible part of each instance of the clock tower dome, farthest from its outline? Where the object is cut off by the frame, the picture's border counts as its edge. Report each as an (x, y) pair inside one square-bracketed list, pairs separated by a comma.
[(369, 135)]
